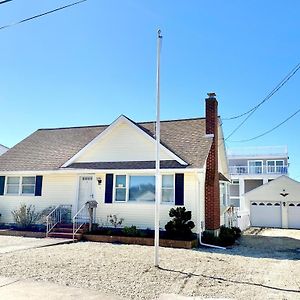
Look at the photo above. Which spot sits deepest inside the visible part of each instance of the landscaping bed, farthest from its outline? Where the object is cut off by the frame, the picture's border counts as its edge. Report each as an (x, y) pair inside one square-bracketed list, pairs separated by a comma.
[(24, 233), (147, 241), (36, 231)]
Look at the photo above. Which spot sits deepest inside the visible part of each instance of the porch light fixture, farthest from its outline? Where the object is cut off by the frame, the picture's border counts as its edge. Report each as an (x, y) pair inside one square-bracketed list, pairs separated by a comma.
[(99, 180)]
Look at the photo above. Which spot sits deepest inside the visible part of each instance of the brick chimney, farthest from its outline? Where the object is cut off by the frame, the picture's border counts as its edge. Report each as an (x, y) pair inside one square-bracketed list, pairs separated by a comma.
[(212, 189)]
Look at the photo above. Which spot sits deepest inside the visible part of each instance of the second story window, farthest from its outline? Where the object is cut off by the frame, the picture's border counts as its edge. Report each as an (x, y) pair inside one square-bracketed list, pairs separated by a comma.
[(255, 166), (275, 166)]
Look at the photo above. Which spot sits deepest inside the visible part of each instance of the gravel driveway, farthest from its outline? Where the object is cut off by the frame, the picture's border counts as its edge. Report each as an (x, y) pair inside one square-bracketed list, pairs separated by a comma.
[(244, 272)]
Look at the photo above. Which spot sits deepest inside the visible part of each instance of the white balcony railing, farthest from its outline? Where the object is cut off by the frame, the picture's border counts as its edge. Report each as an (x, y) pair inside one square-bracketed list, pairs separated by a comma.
[(244, 170), (262, 151)]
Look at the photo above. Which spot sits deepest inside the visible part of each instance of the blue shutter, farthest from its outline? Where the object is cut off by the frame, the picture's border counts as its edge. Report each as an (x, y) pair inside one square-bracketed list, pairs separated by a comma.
[(109, 184), (179, 189), (2, 184), (38, 185)]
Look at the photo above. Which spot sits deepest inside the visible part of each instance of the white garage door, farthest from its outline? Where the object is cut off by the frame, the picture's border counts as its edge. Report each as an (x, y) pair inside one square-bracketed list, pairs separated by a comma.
[(265, 214), (294, 215)]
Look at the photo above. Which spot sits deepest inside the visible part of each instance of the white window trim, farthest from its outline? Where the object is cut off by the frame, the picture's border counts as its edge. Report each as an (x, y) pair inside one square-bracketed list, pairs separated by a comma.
[(275, 165), (20, 186), (255, 160), (127, 189)]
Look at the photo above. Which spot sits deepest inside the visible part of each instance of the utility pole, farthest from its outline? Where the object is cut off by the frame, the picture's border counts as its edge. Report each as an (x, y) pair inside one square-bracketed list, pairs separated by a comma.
[(157, 153)]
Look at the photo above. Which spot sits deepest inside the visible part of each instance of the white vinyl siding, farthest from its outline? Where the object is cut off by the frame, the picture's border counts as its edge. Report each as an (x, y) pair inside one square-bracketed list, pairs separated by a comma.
[(141, 214), (118, 145), (57, 189)]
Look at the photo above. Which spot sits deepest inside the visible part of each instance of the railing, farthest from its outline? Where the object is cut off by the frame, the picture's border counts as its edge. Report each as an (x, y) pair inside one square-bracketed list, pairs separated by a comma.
[(80, 218), (258, 151), (241, 170), (60, 214)]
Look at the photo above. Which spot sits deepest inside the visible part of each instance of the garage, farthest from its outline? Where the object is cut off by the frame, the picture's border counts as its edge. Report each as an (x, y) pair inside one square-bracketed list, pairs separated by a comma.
[(294, 215), (265, 214), (275, 204)]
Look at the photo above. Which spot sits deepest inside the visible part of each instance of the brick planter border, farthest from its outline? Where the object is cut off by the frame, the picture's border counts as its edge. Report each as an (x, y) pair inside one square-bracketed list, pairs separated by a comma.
[(9, 232), (140, 241)]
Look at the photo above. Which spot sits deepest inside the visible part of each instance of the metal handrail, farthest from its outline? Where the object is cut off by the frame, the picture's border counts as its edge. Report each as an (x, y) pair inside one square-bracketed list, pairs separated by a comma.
[(77, 224), (55, 217), (51, 219)]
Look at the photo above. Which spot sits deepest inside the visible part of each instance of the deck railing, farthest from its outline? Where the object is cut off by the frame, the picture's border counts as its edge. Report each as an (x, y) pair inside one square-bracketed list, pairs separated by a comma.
[(244, 170)]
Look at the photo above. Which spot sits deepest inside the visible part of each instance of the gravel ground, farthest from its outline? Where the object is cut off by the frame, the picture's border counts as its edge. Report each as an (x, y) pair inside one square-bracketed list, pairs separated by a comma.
[(244, 272)]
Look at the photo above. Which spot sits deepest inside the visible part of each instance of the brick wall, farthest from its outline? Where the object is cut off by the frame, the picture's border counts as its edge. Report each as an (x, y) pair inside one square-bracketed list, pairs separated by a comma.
[(212, 191)]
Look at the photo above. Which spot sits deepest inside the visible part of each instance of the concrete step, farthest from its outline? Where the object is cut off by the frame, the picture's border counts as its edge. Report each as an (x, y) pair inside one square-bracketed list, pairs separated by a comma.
[(69, 225), (67, 230), (65, 235)]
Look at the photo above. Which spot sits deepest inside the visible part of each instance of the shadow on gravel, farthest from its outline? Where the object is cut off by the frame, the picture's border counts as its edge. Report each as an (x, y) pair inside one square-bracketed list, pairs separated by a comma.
[(189, 275), (259, 246)]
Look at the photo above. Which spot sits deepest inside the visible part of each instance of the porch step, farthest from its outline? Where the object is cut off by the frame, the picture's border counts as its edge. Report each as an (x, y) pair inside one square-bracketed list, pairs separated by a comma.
[(65, 235), (65, 231), (69, 225)]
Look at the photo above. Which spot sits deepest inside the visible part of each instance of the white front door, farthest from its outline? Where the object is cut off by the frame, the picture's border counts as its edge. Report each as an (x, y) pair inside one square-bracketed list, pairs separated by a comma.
[(85, 190)]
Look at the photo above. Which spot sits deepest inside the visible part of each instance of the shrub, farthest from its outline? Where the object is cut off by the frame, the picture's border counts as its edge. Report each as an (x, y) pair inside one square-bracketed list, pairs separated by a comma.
[(181, 225), (237, 232), (227, 236), (25, 216), (131, 231)]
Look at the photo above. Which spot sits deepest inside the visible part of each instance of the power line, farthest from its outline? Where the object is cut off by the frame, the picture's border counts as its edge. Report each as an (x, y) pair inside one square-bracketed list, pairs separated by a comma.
[(276, 89), (270, 130), (287, 78), (5, 1), (42, 14)]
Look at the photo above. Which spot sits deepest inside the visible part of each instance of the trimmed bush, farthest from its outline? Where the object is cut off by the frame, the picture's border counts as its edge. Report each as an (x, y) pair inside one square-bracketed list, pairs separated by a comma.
[(181, 225)]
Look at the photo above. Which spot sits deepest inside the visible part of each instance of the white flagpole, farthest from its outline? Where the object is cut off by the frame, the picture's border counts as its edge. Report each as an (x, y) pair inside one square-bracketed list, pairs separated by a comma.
[(157, 162)]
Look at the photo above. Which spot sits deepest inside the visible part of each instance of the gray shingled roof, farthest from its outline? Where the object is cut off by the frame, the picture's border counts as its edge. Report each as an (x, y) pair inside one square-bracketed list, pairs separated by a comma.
[(49, 149), (128, 165)]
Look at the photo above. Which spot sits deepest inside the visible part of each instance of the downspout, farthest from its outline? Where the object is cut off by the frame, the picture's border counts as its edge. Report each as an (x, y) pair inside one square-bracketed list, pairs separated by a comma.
[(200, 224)]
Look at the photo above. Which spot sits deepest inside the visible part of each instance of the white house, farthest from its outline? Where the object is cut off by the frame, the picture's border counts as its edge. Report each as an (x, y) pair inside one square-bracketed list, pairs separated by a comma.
[(115, 165), (275, 204), (3, 149), (249, 168)]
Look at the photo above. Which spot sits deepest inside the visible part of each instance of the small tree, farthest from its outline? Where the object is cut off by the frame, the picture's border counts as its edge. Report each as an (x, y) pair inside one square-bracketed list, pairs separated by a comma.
[(25, 216), (181, 224)]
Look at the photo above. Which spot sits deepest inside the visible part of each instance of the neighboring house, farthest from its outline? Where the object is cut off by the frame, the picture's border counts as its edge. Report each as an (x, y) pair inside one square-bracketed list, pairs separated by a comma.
[(3, 149), (115, 165), (249, 168), (275, 204)]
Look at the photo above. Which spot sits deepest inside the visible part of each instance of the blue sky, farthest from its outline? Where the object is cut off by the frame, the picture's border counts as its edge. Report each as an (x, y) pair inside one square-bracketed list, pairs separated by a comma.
[(90, 63)]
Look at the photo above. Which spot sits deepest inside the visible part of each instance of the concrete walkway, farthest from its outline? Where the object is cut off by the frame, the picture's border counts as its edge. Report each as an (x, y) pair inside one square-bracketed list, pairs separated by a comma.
[(10, 244), (14, 289)]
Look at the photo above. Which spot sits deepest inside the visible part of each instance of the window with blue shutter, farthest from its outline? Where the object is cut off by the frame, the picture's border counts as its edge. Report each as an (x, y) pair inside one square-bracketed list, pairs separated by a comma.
[(179, 189), (109, 185)]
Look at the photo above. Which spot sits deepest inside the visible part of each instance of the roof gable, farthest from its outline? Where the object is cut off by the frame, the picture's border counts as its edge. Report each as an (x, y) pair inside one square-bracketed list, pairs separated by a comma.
[(122, 141), (276, 185)]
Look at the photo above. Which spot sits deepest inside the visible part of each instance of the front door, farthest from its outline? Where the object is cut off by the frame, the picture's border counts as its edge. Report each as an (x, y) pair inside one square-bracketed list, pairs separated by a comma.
[(85, 190)]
